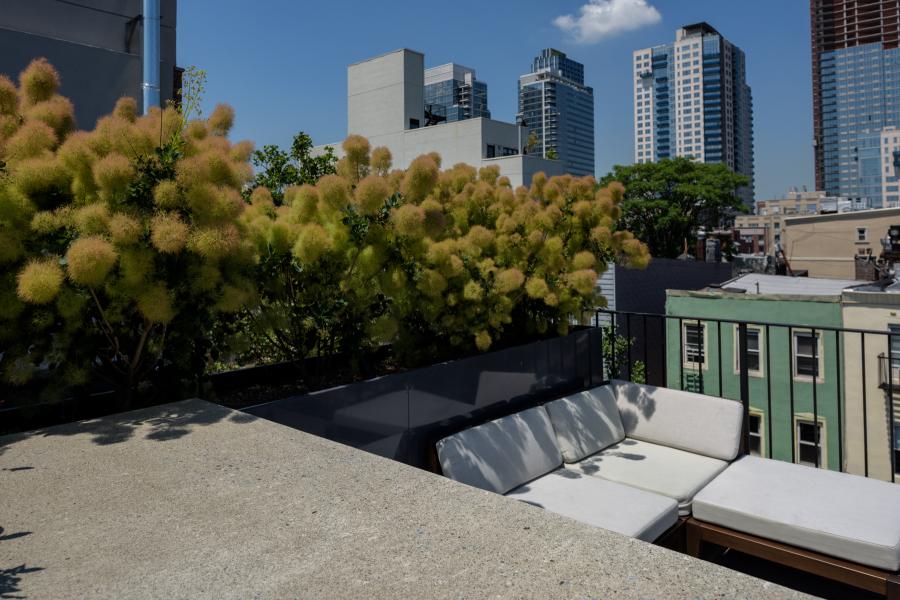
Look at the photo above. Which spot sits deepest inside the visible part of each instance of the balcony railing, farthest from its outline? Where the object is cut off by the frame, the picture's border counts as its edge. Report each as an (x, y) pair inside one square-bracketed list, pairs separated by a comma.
[(889, 377), (817, 395)]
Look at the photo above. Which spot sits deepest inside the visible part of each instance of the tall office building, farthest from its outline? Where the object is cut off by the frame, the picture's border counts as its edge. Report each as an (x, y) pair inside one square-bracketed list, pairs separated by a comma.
[(452, 93), (96, 45), (555, 104), (691, 99), (856, 97)]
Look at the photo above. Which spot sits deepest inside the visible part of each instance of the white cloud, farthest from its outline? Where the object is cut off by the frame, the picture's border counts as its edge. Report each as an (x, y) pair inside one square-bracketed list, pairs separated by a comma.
[(600, 19)]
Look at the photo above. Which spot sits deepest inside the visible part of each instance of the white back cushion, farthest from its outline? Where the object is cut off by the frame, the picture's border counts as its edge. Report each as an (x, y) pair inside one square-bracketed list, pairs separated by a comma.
[(585, 423), (684, 420), (503, 454)]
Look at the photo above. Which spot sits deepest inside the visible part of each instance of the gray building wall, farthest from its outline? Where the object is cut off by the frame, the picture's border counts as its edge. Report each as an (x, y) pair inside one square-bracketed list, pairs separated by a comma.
[(96, 45), (645, 290), (386, 94)]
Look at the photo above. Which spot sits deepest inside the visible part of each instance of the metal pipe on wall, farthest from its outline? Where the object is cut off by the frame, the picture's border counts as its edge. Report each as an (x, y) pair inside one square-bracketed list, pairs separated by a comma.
[(150, 84)]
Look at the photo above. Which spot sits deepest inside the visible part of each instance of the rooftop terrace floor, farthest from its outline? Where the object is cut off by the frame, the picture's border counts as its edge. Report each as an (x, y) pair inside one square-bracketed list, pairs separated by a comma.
[(194, 500)]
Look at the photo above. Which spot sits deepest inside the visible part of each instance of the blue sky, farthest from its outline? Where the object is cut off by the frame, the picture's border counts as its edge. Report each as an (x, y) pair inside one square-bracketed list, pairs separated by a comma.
[(282, 64)]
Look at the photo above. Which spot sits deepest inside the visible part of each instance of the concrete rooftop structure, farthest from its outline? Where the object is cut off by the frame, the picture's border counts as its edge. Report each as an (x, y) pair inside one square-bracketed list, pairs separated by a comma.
[(192, 500)]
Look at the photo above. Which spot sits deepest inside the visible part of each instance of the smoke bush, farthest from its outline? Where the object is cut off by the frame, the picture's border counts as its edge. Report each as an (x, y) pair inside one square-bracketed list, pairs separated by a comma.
[(121, 244), (429, 259)]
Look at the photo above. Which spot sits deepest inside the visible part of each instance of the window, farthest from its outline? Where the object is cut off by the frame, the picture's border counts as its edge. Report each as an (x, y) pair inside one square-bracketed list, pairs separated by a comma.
[(693, 348), (754, 347), (755, 427), (861, 234), (809, 442), (491, 151), (807, 354), (413, 123)]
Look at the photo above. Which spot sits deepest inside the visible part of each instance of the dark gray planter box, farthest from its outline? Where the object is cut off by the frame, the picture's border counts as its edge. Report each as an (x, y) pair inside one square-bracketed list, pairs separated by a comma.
[(401, 416)]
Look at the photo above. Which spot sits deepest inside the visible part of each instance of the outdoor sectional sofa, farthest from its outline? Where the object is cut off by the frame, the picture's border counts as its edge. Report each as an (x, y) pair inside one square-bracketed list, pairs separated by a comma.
[(634, 458)]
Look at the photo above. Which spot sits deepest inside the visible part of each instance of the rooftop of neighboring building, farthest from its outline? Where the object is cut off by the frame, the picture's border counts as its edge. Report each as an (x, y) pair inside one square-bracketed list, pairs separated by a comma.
[(766, 285), (702, 28), (869, 213), (884, 286), (383, 54), (447, 71), (551, 60)]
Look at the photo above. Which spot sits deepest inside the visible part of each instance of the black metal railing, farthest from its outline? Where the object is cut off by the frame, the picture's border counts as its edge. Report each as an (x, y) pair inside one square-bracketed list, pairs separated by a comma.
[(809, 391), (889, 375)]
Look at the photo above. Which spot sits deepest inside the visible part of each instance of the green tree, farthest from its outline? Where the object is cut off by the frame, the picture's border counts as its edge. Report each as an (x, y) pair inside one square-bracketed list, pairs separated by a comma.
[(278, 169), (616, 350), (667, 201)]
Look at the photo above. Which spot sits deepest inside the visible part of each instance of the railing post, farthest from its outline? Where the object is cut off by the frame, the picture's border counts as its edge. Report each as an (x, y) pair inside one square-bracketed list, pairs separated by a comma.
[(613, 369), (865, 420), (646, 362), (603, 378), (890, 399), (791, 389), (664, 328), (590, 345), (815, 397), (768, 392), (628, 346), (719, 352), (680, 353), (745, 387), (840, 405)]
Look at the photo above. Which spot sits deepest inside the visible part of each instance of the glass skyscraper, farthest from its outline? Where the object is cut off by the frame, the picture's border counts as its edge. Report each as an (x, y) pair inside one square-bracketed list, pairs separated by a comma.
[(856, 98), (691, 99), (558, 108), (452, 93)]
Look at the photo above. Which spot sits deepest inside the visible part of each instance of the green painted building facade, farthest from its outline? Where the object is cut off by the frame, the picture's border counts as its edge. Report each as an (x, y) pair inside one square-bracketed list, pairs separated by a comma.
[(785, 365)]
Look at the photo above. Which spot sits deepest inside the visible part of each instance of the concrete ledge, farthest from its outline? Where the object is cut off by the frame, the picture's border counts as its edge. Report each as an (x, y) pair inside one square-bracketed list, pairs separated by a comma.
[(192, 500)]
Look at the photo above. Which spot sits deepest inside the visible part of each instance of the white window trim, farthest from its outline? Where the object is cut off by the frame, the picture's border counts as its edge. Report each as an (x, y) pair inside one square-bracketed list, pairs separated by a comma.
[(691, 364), (823, 438), (761, 372), (820, 357), (763, 449)]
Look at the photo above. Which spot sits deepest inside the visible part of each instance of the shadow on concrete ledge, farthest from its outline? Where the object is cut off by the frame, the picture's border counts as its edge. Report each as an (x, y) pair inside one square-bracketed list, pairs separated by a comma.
[(170, 422)]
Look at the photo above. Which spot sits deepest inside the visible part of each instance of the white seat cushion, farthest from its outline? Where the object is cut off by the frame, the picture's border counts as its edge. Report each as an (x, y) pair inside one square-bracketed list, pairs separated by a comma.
[(586, 423), (693, 422), (502, 454), (632, 512), (846, 516), (667, 471)]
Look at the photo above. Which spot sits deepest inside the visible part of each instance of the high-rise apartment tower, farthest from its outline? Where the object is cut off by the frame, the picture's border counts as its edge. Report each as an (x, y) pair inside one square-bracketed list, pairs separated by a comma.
[(691, 99)]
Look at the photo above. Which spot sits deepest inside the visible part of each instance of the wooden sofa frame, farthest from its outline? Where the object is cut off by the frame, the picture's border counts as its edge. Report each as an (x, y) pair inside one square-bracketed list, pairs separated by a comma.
[(881, 582)]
